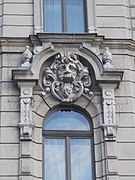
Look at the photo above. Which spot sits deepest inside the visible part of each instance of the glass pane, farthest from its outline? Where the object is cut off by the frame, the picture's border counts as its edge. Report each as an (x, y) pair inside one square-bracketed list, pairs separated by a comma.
[(75, 16), (67, 120), (54, 159), (81, 164), (53, 15)]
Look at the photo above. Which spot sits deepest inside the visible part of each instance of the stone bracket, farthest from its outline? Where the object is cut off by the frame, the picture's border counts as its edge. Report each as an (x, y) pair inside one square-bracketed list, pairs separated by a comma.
[(26, 102), (109, 123)]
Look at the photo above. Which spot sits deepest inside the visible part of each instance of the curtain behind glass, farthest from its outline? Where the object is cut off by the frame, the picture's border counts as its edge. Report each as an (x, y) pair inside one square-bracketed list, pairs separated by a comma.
[(53, 15), (54, 159), (81, 164), (75, 16)]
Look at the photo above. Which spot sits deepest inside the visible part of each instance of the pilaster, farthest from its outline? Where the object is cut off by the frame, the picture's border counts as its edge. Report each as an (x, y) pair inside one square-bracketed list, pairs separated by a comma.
[(110, 130), (26, 125)]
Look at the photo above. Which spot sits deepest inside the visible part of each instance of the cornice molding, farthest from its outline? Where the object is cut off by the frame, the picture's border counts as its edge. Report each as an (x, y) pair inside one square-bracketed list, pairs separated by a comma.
[(67, 38)]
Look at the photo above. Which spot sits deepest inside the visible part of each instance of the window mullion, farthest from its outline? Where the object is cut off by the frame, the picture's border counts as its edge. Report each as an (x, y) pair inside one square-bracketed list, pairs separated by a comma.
[(68, 158), (64, 18)]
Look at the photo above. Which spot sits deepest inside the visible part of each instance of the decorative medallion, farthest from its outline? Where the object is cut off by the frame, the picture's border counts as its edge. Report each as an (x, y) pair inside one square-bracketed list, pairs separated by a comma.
[(66, 78)]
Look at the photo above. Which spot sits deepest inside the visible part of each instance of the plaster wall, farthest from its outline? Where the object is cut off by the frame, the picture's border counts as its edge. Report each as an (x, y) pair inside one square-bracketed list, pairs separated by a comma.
[(115, 19)]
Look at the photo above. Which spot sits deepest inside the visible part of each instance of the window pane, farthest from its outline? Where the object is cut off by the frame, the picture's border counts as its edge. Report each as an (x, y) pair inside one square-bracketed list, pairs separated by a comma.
[(67, 120), (81, 164), (75, 16), (54, 159), (53, 15)]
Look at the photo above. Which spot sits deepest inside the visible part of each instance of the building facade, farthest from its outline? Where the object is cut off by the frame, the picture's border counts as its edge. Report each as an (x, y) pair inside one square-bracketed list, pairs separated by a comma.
[(67, 90)]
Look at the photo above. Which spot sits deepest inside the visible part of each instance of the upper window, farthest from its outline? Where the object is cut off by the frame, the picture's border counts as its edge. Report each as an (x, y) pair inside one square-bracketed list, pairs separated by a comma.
[(68, 152), (65, 16)]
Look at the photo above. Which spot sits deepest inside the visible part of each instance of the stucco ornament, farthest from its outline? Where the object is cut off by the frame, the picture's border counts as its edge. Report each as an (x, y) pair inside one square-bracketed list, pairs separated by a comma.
[(107, 58), (26, 102), (26, 58), (26, 120), (37, 50), (109, 124), (67, 78)]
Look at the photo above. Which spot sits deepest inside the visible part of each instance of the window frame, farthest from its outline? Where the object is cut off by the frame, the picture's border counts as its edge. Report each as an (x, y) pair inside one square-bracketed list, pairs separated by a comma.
[(68, 135), (39, 16), (64, 17)]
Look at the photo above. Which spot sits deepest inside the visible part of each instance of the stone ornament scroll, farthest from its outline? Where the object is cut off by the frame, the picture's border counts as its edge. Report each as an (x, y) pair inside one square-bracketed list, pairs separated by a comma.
[(67, 78)]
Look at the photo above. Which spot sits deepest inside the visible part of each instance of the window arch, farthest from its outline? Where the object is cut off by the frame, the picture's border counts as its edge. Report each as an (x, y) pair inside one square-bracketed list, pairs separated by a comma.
[(68, 146)]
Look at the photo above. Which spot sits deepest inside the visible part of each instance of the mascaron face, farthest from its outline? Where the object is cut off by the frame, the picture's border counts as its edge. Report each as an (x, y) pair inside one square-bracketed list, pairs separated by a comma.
[(67, 72)]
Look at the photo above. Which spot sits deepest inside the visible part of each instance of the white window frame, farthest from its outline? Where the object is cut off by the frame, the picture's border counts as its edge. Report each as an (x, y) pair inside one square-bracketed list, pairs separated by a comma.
[(38, 16)]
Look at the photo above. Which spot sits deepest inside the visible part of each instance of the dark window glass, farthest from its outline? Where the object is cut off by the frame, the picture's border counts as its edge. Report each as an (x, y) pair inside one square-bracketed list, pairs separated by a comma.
[(64, 16)]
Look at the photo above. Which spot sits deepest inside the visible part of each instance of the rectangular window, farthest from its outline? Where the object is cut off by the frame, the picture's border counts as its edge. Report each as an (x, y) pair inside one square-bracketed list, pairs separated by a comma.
[(65, 16), (68, 159)]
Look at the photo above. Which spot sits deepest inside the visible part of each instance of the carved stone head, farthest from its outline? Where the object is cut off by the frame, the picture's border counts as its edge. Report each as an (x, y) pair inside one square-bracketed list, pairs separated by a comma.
[(66, 78), (67, 69)]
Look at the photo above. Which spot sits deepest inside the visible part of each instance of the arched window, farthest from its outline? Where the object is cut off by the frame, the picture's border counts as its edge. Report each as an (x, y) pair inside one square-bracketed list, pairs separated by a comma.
[(68, 146)]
